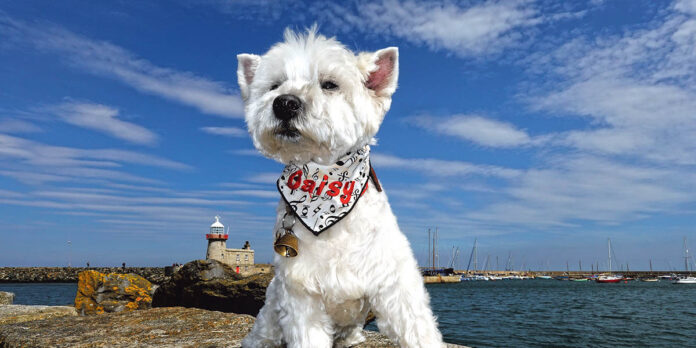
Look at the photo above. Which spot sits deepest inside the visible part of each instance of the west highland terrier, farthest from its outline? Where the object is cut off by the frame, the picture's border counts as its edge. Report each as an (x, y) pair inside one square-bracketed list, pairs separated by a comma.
[(315, 106)]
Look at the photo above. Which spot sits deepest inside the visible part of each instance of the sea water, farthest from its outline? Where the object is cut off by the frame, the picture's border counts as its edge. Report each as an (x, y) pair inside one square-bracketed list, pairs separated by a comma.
[(552, 313), (50, 294), (526, 313)]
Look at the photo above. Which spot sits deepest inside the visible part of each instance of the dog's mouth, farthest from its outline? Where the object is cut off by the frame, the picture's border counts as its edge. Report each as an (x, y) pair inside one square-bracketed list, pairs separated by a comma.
[(285, 130)]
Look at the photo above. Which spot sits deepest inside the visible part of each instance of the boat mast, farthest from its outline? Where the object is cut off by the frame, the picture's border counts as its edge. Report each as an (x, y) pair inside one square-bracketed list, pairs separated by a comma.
[(456, 258), (609, 252), (475, 255), (452, 257), (471, 256), (437, 250), (429, 249), (686, 256)]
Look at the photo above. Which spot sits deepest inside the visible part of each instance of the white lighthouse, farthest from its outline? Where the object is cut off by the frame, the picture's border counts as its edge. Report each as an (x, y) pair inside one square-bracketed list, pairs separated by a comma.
[(241, 260), (217, 241)]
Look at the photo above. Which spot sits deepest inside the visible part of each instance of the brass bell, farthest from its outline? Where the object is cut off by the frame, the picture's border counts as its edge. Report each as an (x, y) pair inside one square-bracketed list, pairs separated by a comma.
[(286, 244)]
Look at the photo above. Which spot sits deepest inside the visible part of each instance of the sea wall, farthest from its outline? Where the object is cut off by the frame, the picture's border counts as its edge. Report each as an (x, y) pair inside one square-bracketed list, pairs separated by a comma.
[(155, 275)]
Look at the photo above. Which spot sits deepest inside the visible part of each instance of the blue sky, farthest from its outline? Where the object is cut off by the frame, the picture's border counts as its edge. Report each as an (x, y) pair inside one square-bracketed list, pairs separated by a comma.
[(540, 128)]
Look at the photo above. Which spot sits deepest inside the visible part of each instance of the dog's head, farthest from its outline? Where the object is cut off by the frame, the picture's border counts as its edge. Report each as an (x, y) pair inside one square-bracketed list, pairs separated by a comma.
[(311, 99)]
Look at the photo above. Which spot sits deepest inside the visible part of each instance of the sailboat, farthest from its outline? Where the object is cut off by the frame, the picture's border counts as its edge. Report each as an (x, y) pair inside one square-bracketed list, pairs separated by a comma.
[(652, 278), (688, 279), (476, 275), (609, 278), (435, 274)]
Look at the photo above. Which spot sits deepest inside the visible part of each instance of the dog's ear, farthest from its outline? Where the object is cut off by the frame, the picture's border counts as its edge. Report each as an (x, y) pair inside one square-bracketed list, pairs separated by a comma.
[(246, 68), (382, 71)]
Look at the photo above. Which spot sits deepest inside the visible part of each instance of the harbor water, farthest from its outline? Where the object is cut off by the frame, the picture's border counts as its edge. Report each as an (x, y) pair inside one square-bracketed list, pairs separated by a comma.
[(527, 313), (552, 313), (49, 294)]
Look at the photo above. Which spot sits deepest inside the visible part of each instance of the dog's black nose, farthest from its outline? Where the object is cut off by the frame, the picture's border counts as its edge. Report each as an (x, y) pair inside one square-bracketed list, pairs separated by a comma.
[(286, 107)]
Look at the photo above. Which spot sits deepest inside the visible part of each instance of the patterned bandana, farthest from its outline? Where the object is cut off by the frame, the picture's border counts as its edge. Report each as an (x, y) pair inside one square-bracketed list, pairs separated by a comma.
[(322, 195)]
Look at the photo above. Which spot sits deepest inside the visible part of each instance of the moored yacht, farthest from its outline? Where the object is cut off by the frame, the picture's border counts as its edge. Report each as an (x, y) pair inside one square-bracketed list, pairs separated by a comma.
[(685, 280), (610, 278), (689, 279)]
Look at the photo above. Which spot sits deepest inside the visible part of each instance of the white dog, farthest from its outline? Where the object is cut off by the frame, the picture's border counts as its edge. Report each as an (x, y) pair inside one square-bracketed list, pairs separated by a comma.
[(314, 105)]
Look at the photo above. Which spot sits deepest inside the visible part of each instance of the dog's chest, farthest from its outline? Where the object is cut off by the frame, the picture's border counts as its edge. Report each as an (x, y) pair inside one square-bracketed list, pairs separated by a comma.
[(348, 312), (337, 264)]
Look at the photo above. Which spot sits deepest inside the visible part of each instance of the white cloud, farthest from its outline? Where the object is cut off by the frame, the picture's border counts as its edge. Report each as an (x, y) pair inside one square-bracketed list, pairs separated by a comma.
[(480, 130), (635, 156), (441, 168), (588, 188), (250, 193), (225, 131), (33, 162), (140, 217), (10, 194), (471, 30), (9, 125), (240, 185), (264, 178), (106, 59), (686, 6), (36, 153), (637, 89), (88, 198), (104, 119), (246, 152)]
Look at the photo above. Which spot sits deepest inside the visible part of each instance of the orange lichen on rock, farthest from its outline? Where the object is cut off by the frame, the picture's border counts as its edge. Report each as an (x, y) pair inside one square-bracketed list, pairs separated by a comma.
[(99, 293)]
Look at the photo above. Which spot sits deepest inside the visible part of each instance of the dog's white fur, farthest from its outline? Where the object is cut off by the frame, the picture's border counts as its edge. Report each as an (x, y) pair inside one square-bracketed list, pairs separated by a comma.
[(321, 297)]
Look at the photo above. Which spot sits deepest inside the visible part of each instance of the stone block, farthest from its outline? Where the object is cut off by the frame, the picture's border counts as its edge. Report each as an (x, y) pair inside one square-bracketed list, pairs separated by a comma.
[(10, 314), (6, 298)]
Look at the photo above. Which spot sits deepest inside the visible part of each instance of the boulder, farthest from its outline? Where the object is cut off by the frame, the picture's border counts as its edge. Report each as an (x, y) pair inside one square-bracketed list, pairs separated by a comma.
[(10, 314), (209, 284), (6, 298), (99, 293), (160, 327)]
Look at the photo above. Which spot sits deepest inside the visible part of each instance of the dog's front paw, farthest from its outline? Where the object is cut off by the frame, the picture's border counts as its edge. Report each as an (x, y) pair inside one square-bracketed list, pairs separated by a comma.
[(250, 342), (354, 338)]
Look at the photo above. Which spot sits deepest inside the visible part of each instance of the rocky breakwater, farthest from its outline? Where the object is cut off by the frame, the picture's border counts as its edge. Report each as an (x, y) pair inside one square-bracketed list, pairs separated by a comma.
[(161, 327), (154, 275), (209, 284)]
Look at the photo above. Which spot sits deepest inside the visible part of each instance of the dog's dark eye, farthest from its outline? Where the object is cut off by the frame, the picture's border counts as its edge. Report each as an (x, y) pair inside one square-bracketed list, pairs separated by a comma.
[(274, 86), (329, 85)]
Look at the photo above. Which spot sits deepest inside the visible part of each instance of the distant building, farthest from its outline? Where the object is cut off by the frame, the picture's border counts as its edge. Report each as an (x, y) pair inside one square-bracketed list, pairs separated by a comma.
[(242, 260)]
